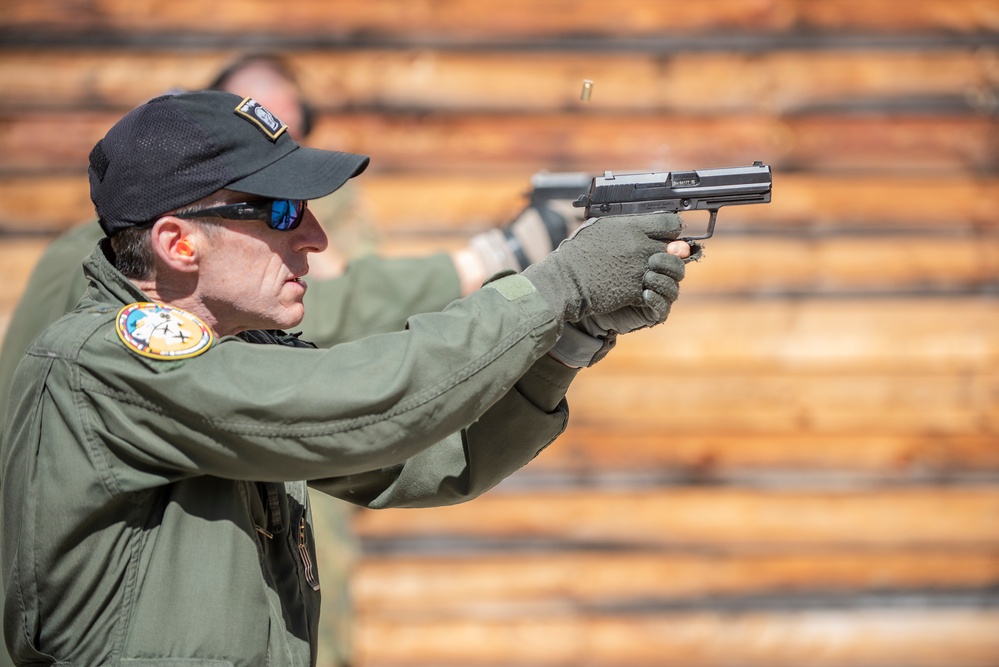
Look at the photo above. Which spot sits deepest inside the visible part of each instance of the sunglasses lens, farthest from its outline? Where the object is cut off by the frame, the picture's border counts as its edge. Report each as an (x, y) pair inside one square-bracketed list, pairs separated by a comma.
[(286, 214)]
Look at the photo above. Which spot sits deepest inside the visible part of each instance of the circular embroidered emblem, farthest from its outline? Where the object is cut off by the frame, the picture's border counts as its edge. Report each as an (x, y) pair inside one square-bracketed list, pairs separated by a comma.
[(161, 332)]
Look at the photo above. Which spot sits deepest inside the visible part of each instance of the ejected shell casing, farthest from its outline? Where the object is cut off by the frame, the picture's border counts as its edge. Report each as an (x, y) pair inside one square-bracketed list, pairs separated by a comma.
[(587, 90)]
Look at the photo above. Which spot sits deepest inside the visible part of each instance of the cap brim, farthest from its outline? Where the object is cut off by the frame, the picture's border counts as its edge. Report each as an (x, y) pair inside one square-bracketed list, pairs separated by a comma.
[(304, 173)]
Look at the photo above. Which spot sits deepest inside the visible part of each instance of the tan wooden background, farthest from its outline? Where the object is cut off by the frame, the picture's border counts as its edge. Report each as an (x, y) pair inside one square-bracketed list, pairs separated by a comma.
[(802, 466)]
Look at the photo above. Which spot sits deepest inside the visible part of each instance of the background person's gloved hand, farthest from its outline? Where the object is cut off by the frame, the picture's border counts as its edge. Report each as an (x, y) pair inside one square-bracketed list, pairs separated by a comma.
[(604, 266), (536, 231)]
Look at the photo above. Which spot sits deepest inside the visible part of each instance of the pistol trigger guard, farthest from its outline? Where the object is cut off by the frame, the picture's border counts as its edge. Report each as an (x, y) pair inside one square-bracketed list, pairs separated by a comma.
[(710, 231)]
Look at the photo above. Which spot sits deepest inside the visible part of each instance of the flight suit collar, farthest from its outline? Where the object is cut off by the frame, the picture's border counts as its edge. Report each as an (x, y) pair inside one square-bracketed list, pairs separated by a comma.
[(110, 284)]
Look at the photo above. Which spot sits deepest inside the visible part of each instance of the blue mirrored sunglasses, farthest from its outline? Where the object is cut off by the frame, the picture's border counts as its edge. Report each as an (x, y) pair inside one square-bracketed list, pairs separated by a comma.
[(280, 214)]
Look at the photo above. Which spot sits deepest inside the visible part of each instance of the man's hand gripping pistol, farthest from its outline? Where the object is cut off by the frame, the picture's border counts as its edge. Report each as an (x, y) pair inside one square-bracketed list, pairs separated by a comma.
[(676, 192)]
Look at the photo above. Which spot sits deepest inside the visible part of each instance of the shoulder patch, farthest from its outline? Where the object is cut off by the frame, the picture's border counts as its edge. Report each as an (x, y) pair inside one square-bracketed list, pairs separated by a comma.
[(161, 332), (268, 123)]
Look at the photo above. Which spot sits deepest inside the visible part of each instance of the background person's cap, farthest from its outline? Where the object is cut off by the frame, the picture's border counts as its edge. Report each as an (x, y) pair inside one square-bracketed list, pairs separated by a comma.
[(177, 149)]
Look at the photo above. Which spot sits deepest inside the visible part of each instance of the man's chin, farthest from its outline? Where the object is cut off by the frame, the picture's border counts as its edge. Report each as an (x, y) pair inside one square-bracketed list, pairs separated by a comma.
[(292, 316), (295, 321)]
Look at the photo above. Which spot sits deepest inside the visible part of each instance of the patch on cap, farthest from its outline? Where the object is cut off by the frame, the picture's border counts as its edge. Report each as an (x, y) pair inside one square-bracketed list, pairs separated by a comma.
[(161, 332), (268, 123)]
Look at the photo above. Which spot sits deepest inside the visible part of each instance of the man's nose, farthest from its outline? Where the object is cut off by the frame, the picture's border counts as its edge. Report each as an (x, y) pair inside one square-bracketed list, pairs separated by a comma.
[(309, 235)]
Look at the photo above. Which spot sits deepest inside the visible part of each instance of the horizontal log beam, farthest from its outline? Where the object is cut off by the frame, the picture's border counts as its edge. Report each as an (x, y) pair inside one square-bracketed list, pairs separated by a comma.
[(773, 82), (824, 404), (846, 338), (41, 142), (579, 583), (871, 638), (924, 517), (703, 456), (595, 143), (467, 19)]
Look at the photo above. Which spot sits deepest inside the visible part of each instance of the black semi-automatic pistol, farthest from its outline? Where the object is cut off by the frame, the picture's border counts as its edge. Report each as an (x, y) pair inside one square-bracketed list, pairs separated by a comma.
[(676, 191)]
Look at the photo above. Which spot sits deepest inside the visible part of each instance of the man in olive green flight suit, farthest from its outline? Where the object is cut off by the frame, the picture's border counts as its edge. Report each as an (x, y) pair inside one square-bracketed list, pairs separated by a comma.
[(371, 295), (155, 435)]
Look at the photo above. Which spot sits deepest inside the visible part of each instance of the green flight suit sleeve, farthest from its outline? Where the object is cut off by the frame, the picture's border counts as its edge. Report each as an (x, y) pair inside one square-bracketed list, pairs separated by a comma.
[(273, 413), (377, 295), (469, 463)]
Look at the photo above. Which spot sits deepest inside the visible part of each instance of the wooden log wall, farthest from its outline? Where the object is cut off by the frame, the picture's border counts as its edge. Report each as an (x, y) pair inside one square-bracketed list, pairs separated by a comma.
[(802, 466)]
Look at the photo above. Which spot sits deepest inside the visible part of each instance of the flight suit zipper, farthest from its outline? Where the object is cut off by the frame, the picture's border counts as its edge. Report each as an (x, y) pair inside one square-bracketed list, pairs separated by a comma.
[(303, 551)]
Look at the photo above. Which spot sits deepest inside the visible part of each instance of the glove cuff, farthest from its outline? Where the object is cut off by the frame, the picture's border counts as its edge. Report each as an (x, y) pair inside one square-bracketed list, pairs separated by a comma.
[(577, 349)]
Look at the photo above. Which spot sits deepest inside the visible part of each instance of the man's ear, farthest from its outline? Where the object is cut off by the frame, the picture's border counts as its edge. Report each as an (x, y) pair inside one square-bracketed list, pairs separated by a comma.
[(176, 243)]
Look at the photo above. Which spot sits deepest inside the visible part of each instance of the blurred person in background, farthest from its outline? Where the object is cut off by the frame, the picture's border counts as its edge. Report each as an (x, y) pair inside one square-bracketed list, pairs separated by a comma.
[(353, 293)]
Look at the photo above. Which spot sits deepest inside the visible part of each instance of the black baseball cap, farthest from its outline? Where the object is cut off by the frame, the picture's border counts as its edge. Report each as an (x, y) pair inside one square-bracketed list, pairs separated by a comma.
[(177, 149)]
